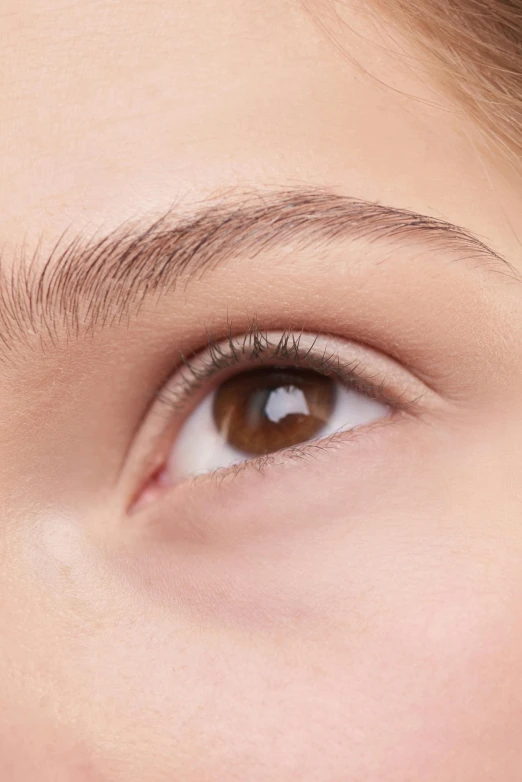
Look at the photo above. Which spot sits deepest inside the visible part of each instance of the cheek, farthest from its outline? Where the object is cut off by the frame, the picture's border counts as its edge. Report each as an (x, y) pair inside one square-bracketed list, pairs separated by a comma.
[(366, 659), (390, 665), (302, 627), (355, 621)]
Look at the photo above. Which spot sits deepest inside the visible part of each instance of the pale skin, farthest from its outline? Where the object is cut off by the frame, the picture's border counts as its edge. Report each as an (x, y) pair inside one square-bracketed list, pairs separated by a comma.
[(354, 616)]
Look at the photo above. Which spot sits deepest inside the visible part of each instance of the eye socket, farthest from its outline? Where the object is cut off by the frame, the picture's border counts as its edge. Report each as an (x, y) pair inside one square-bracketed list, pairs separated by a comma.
[(244, 398), (262, 411)]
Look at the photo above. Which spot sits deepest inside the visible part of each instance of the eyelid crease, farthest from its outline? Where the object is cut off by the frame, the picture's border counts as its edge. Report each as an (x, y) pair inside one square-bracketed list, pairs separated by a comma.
[(255, 348), (98, 282)]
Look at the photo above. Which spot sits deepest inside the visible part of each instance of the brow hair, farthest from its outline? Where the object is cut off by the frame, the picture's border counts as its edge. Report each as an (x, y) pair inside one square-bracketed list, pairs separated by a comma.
[(96, 282)]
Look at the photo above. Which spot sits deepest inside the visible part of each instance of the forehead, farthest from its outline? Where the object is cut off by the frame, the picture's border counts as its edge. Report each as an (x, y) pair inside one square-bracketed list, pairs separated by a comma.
[(110, 107)]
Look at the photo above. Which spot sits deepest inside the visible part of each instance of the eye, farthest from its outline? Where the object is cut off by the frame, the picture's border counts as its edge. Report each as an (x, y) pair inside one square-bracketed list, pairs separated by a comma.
[(244, 398), (264, 410)]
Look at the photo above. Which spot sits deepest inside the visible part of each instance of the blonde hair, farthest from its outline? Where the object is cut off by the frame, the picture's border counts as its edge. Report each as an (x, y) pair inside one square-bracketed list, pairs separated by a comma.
[(477, 46)]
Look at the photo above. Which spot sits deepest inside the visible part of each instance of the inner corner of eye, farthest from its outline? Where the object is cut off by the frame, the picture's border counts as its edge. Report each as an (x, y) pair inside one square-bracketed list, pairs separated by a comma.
[(257, 412)]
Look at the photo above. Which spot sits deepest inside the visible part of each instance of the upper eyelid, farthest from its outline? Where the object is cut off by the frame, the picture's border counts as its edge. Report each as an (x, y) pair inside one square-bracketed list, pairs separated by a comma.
[(190, 380)]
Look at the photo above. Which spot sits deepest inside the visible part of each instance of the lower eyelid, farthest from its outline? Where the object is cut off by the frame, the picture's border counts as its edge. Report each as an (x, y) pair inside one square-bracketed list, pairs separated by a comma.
[(295, 453), (313, 450)]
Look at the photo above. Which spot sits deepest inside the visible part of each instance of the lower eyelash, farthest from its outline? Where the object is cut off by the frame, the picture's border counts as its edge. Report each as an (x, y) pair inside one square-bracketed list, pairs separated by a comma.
[(303, 451)]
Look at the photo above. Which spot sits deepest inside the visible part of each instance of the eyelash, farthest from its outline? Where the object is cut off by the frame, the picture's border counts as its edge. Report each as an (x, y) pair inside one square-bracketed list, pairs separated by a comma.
[(254, 348), (212, 364)]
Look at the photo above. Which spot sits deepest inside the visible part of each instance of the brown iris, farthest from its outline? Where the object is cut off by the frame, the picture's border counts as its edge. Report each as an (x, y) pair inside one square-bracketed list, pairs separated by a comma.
[(268, 409)]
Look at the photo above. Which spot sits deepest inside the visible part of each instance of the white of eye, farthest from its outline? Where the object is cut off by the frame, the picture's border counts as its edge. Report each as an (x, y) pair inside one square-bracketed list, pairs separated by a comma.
[(201, 448)]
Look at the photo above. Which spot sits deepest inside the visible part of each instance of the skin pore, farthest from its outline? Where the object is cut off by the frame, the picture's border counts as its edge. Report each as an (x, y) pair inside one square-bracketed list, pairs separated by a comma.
[(347, 612)]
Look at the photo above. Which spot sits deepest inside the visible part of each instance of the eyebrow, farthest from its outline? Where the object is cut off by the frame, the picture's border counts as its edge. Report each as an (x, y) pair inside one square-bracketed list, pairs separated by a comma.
[(95, 282)]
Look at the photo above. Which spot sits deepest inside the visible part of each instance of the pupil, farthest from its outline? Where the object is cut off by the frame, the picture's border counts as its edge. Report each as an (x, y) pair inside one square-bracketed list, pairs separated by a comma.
[(267, 409)]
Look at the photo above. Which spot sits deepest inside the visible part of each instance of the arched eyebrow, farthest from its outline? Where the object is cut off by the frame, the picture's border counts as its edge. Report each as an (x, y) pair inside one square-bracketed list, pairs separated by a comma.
[(96, 282)]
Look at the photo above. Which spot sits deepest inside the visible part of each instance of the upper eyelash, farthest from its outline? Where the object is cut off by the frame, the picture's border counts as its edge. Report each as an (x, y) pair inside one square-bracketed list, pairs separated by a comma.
[(255, 347)]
